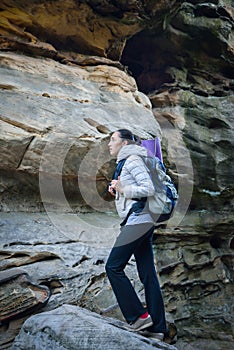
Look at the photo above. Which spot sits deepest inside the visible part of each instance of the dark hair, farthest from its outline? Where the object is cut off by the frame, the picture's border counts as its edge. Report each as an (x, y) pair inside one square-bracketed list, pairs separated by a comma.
[(126, 134)]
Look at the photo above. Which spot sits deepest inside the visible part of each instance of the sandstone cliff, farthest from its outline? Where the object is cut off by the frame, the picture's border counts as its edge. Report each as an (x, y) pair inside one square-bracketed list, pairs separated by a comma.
[(73, 71)]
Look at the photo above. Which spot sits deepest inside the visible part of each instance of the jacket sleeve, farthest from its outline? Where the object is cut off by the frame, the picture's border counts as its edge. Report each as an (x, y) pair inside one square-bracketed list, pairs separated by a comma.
[(136, 179)]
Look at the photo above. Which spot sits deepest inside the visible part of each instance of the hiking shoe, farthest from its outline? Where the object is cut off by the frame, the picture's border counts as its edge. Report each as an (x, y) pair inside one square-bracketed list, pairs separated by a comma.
[(140, 323), (152, 335)]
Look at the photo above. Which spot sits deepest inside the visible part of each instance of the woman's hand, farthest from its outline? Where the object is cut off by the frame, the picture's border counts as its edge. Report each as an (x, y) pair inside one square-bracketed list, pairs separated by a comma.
[(115, 186)]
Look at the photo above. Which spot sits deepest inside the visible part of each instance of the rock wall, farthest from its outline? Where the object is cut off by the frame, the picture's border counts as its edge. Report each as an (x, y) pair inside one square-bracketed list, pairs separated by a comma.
[(52, 116), (73, 71)]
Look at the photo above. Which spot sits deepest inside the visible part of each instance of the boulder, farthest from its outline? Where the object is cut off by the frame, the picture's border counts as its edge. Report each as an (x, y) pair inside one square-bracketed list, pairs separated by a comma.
[(71, 327)]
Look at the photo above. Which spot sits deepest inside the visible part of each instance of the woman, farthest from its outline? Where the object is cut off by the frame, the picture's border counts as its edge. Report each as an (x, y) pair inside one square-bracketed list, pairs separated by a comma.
[(135, 238)]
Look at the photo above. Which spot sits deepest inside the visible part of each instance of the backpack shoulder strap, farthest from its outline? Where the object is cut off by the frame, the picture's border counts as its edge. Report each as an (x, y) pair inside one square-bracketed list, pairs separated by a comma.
[(118, 169), (115, 175)]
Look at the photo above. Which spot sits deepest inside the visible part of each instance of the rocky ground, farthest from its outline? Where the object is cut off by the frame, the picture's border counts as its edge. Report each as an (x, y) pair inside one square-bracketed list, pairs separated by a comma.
[(66, 253), (69, 261)]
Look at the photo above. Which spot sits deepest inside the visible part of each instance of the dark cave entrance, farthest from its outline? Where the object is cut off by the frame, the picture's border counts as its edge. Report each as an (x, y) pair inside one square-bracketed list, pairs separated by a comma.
[(147, 57)]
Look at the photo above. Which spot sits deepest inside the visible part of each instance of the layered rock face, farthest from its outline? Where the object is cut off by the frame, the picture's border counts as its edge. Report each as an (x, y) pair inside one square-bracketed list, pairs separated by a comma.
[(56, 121), (71, 72)]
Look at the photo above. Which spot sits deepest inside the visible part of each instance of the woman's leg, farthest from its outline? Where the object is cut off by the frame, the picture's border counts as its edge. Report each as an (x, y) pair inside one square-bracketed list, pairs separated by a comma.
[(120, 254), (147, 273)]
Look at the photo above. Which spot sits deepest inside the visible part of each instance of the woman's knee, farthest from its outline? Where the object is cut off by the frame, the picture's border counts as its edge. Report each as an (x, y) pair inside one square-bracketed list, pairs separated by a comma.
[(107, 268), (111, 269)]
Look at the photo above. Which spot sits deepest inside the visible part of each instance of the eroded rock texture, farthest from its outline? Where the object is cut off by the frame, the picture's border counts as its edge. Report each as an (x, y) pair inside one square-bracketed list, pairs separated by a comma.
[(45, 331), (86, 27), (73, 71), (54, 116), (70, 262), (19, 295)]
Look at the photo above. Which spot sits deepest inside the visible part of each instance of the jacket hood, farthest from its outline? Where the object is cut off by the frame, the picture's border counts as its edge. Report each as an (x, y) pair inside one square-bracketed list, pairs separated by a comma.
[(129, 150)]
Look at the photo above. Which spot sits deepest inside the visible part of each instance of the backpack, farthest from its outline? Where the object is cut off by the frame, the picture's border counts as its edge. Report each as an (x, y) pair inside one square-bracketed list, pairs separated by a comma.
[(161, 204)]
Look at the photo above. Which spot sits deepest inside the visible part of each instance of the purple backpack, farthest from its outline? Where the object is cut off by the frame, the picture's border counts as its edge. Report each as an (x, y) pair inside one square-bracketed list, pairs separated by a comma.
[(153, 147)]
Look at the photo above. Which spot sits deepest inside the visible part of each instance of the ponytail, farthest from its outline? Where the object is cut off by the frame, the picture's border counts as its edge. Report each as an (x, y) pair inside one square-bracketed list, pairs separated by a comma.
[(126, 134)]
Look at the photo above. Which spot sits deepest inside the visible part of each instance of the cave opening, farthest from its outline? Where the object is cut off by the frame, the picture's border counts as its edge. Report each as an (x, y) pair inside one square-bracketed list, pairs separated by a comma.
[(216, 242), (147, 62)]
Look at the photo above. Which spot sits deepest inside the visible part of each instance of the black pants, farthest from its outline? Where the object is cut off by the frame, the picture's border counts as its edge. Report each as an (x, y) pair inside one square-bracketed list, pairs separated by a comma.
[(126, 296)]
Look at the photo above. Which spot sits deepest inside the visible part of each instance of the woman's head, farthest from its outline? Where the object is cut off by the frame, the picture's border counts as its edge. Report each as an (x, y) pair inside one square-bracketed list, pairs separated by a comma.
[(121, 138)]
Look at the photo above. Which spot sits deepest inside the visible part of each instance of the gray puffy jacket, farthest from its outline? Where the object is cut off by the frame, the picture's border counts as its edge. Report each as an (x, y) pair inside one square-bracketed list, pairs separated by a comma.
[(134, 178)]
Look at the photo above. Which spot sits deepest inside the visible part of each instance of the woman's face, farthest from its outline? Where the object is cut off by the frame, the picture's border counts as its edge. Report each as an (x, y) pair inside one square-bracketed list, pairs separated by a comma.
[(115, 144)]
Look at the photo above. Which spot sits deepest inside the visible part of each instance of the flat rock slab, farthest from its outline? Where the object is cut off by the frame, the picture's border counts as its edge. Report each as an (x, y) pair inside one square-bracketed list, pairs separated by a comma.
[(71, 327), (28, 229)]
